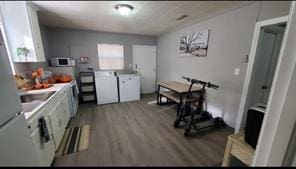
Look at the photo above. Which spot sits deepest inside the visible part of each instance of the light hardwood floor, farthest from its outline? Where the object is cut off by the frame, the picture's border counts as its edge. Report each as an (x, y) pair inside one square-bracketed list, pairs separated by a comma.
[(141, 134)]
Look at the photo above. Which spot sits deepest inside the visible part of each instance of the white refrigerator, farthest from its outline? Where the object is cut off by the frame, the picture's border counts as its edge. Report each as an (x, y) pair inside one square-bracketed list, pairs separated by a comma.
[(16, 146)]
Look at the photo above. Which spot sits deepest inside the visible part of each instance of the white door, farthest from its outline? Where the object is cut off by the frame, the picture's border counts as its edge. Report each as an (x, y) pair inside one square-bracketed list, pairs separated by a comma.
[(268, 48), (272, 62), (144, 62)]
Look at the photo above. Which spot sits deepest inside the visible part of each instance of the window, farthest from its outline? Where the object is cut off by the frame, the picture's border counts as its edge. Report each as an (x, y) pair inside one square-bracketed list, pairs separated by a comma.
[(110, 57)]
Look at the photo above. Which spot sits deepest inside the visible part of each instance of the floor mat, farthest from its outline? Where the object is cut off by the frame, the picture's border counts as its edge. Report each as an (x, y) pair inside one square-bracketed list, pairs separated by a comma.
[(74, 140)]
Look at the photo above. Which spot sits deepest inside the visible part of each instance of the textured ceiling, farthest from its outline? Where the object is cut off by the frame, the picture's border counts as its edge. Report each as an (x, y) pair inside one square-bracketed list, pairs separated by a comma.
[(147, 18)]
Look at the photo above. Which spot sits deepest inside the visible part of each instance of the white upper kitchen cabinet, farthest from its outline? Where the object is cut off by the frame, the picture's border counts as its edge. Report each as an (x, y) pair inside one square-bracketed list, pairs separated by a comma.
[(23, 31)]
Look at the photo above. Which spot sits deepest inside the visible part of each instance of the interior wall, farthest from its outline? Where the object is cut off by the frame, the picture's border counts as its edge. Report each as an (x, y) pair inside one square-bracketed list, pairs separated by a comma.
[(60, 41), (229, 41), (273, 9), (21, 69)]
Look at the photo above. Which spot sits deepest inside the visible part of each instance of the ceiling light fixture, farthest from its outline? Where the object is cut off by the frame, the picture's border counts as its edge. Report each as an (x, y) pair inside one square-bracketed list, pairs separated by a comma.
[(124, 9)]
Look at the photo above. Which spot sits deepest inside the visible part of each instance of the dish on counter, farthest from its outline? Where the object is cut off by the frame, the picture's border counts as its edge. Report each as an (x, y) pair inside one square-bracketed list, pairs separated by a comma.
[(60, 79), (43, 85)]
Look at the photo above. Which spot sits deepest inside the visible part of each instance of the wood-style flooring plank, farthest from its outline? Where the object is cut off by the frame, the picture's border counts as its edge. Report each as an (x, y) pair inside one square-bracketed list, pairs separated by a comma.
[(141, 134)]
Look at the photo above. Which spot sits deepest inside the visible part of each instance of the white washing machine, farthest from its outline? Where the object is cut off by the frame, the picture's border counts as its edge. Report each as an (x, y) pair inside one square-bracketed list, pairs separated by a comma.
[(129, 87), (106, 87)]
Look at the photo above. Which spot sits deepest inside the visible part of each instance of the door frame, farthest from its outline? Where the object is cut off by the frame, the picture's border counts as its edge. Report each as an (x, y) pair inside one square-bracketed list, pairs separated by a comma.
[(241, 117), (133, 66), (280, 117)]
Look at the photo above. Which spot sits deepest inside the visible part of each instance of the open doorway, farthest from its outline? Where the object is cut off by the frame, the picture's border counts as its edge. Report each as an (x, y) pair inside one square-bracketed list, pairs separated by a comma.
[(266, 58)]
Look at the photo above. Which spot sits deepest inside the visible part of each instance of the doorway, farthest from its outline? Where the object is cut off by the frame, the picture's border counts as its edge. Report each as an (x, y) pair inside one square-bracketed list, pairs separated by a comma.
[(264, 56), (268, 49), (144, 63)]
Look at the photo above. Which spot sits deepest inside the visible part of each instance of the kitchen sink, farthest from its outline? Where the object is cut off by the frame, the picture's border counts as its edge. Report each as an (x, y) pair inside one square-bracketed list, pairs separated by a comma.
[(31, 101), (30, 106), (36, 97)]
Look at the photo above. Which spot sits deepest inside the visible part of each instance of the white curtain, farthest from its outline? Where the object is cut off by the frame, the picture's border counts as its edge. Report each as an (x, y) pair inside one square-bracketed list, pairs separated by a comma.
[(111, 56)]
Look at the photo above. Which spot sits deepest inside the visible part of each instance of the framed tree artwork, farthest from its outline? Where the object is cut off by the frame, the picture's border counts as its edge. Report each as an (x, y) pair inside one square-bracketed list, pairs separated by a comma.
[(196, 44)]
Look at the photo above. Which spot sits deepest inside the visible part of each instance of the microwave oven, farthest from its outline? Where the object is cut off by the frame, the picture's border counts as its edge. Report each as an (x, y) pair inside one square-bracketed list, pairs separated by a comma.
[(62, 61)]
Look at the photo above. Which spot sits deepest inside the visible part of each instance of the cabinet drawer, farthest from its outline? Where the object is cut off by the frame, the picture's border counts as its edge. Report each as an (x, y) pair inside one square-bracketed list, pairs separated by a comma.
[(87, 88), (88, 97), (86, 79)]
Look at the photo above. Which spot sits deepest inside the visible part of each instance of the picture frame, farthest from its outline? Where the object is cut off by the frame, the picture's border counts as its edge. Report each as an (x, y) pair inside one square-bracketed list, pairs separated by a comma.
[(195, 44)]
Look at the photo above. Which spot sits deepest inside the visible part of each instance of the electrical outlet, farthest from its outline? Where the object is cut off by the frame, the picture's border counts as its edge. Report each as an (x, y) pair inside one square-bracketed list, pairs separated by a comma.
[(236, 71)]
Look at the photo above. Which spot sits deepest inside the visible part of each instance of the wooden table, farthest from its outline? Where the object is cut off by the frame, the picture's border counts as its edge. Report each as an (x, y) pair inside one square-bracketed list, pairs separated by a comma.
[(177, 90), (239, 148)]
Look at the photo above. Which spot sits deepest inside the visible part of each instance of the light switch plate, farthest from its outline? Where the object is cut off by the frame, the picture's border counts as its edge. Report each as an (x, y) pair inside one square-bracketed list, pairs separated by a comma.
[(236, 71)]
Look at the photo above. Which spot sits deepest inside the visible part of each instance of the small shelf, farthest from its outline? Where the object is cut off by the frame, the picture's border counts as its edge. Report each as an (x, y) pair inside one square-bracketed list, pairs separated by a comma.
[(87, 83), (88, 93), (87, 87)]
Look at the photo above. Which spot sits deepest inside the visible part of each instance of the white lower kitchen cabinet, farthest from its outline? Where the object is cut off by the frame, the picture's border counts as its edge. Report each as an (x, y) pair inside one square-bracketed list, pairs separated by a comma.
[(66, 110), (56, 113), (129, 87), (59, 117), (45, 150), (56, 118)]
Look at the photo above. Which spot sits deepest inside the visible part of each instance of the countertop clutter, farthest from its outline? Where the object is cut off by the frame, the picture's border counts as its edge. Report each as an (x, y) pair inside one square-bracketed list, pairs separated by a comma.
[(40, 79)]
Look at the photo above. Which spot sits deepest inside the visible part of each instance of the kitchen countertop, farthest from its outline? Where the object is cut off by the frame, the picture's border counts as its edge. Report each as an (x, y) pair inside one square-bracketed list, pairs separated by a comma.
[(56, 87)]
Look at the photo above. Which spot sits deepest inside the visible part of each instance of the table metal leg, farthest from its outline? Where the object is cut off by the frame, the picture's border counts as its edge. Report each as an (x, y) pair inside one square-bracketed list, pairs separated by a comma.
[(158, 101)]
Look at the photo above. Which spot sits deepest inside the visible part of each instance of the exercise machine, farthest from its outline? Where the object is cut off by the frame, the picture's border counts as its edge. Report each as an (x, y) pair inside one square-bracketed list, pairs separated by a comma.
[(199, 115)]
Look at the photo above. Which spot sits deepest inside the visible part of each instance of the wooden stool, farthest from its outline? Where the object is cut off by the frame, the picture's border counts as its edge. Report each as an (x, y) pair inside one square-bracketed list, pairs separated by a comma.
[(237, 147)]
